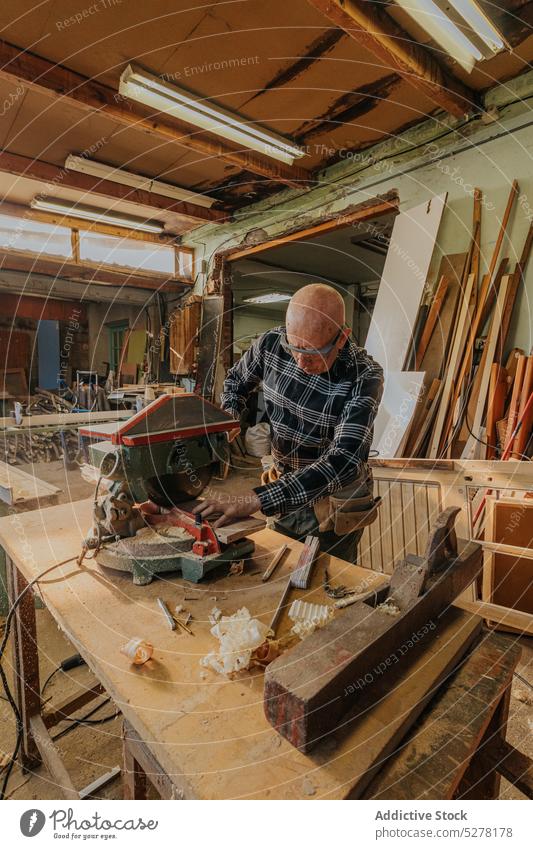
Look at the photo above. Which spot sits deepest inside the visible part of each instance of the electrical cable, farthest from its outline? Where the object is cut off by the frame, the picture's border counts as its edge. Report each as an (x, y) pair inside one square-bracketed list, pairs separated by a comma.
[(86, 720)]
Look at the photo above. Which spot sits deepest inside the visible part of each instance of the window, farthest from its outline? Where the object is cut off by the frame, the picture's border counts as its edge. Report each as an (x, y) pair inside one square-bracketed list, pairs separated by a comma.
[(185, 263), (127, 253), (23, 234), (117, 334)]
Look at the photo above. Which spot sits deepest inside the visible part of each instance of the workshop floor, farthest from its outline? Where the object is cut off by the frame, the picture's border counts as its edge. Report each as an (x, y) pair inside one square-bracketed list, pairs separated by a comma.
[(89, 751)]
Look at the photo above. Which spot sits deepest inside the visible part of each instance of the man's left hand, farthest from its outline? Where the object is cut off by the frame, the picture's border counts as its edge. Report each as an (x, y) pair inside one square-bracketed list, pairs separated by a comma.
[(236, 507)]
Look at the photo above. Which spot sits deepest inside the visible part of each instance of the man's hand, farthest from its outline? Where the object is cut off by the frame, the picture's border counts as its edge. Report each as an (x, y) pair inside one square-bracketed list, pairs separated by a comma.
[(232, 508)]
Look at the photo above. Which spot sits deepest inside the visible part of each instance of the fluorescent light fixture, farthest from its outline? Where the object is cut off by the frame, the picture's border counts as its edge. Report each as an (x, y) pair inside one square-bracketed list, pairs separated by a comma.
[(479, 23), (162, 97), (271, 298), (91, 213), (126, 178), (443, 30)]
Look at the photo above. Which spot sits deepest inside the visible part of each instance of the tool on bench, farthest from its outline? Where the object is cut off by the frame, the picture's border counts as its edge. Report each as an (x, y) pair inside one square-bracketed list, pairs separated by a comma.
[(310, 688), (301, 575), (274, 562), (164, 454), (167, 614)]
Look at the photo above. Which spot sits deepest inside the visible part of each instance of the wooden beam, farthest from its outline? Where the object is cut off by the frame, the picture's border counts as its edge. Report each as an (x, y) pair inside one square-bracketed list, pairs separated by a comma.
[(17, 210), (378, 33), (38, 74), (372, 210), (38, 309), (11, 261), (63, 786), (56, 177)]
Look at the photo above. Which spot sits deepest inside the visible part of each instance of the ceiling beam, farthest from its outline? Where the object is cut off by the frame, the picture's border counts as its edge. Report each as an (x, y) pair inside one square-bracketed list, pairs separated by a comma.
[(34, 72), (42, 286), (378, 33), (65, 270), (374, 208), (55, 177), (17, 210)]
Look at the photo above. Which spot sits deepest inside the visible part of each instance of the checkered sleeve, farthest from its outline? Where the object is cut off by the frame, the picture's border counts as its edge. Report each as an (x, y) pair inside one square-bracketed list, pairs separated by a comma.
[(342, 462), (243, 378)]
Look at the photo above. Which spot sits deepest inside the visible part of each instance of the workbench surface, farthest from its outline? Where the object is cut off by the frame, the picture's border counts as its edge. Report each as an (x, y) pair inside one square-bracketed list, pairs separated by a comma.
[(208, 733)]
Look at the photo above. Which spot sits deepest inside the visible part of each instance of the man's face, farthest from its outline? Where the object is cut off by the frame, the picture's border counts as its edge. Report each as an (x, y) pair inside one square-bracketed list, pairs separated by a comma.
[(312, 362)]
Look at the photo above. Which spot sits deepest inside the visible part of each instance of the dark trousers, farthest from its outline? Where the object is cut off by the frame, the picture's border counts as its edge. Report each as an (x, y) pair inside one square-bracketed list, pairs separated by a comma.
[(302, 522)]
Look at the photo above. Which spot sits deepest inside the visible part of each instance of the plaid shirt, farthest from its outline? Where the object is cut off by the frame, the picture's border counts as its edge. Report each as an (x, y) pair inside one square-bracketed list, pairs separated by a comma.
[(321, 424)]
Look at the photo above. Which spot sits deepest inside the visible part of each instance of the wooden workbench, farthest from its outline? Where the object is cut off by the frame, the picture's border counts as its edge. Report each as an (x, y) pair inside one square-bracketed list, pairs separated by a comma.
[(195, 733)]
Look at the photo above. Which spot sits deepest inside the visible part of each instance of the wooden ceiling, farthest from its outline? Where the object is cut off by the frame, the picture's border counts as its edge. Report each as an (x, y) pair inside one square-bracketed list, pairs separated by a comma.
[(307, 69)]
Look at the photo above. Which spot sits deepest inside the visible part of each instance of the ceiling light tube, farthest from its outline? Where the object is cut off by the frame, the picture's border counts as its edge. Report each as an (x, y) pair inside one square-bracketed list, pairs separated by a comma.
[(479, 23), (270, 298), (152, 91), (438, 25), (91, 213), (127, 178)]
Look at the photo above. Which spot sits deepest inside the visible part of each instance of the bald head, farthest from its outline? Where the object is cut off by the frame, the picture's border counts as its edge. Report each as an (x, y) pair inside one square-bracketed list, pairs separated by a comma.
[(315, 317), (316, 314)]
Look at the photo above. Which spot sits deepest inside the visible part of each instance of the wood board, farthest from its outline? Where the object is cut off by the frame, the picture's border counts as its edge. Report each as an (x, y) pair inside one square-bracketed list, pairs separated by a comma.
[(452, 266), (18, 488), (402, 283)]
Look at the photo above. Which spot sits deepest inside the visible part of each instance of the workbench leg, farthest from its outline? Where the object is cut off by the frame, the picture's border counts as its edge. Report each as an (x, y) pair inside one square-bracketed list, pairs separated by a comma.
[(27, 689), (134, 776), (480, 781)]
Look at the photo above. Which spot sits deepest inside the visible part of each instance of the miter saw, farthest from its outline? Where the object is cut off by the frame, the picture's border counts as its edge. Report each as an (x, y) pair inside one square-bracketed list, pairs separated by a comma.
[(161, 458)]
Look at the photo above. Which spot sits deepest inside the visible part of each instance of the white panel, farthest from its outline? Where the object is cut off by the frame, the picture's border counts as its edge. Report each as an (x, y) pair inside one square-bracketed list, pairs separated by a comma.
[(402, 283), (400, 396)]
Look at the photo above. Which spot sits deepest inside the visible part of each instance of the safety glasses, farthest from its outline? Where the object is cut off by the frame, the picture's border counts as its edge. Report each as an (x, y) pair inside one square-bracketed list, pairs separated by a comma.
[(311, 352)]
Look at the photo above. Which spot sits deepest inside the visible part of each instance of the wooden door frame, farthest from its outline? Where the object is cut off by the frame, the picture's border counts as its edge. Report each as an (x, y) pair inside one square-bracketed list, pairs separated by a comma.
[(221, 279)]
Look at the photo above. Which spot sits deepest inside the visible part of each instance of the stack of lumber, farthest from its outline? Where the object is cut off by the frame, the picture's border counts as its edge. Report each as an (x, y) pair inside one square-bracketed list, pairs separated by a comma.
[(476, 402)]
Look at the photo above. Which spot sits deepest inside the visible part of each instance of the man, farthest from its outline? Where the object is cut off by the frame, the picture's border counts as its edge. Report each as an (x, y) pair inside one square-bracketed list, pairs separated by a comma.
[(321, 395)]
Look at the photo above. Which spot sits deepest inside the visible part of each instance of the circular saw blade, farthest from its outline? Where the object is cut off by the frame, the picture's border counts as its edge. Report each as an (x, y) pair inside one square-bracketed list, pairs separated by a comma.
[(172, 489)]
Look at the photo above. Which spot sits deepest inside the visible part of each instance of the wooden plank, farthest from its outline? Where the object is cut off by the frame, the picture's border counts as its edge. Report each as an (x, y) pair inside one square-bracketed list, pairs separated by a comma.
[(63, 786), (387, 550), (488, 286), (389, 707), (514, 406), (306, 690), (495, 406), (398, 535), (521, 440), (448, 736), (409, 520), (421, 517), (17, 488), (377, 32), (437, 303), (488, 356), (451, 368), (453, 267), (522, 622), (58, 420), (427, 422), (391, 328)]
